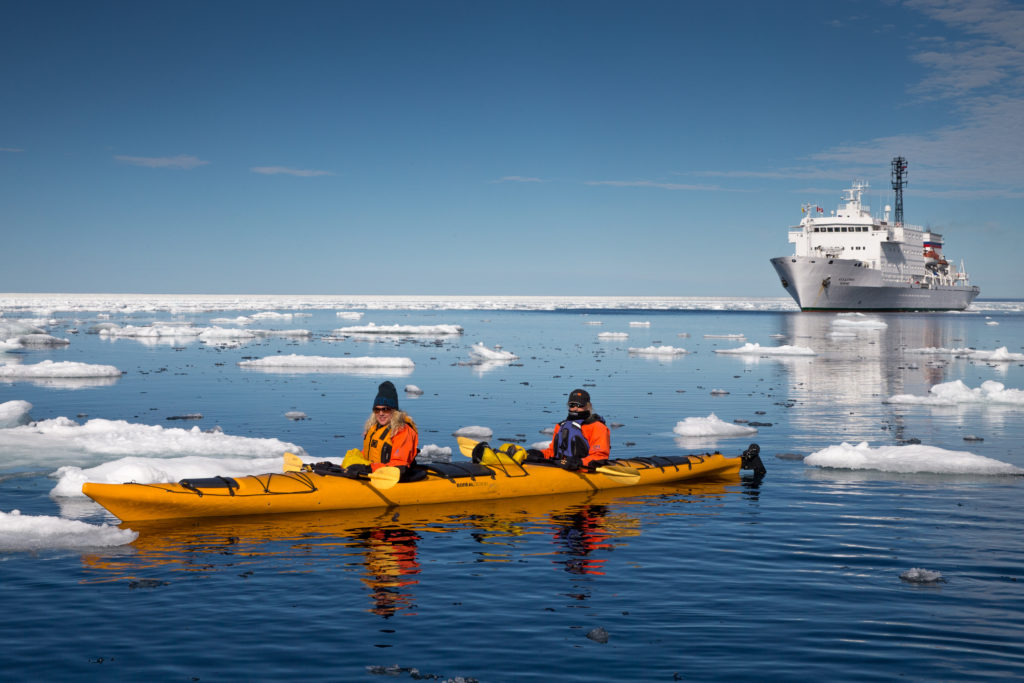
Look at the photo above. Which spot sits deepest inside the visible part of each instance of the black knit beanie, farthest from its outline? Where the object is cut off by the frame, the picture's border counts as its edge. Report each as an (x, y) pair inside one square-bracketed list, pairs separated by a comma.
[(387, 396)]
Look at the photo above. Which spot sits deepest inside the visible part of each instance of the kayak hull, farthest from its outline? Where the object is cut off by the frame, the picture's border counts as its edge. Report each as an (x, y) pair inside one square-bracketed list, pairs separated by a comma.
[(308, 491)]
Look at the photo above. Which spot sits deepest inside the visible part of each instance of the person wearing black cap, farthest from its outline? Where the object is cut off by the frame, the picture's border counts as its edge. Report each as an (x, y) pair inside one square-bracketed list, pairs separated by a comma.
[(581, 440), (390, 438)]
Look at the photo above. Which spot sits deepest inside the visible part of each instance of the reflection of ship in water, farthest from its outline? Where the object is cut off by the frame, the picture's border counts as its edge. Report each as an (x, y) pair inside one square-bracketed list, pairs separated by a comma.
[(858, 366)]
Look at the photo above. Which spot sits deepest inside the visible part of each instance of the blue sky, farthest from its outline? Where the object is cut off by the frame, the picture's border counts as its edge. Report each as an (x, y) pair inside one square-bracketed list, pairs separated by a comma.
[(604, 148)]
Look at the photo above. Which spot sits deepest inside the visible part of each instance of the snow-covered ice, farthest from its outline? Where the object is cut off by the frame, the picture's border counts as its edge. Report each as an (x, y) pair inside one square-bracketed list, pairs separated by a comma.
[(474, 432), (657, 351), (909, 459), (36, 532), (613, 335), (711, 425), (297, 363), (63, 368), (480, 352), (755, 349), (402, 330), (14, 413), (958, 393)]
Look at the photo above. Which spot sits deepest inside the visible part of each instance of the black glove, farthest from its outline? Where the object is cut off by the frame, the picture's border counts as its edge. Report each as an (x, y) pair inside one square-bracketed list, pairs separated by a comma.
[(478, 451), (571, 463), (355, 470), (533, 455)]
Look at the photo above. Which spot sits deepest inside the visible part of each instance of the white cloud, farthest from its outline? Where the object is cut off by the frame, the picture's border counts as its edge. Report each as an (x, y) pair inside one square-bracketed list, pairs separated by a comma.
[(182, 161), (284, 170)]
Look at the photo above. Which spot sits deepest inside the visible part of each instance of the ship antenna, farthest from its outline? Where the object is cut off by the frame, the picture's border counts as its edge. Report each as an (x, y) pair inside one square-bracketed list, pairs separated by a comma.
[(899, 181)]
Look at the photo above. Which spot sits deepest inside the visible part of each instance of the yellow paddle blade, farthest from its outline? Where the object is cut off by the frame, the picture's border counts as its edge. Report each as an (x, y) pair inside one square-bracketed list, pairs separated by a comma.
[(622, 472), (385, 477), (292, 463), (354, 456), (466, 445)]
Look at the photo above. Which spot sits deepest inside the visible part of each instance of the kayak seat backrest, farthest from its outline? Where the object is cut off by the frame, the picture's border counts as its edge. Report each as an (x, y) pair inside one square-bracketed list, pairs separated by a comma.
[(414, 473), (457, 470), (210, 483)]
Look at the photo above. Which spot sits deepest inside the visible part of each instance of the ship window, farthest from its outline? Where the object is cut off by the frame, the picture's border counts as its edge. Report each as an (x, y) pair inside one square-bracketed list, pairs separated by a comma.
[(842, 229)]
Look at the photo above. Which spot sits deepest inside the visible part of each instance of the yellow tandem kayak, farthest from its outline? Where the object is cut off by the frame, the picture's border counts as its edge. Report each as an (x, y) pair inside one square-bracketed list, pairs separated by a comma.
[(325, 487)]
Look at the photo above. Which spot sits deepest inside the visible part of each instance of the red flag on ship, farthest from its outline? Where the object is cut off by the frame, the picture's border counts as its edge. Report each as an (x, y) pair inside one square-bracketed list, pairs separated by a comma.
[(820, 210)]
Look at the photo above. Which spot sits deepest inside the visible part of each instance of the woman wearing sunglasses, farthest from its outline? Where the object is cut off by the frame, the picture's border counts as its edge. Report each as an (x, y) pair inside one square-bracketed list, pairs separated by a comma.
[(389, 436), (581, 440)]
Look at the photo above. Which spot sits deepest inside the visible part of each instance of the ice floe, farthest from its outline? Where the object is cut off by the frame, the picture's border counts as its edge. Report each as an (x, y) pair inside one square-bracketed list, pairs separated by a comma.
[(958, 393), (755, 349), (401, 330), (36, 532), (640, 323), (657, 351), (14, 413), (1000, 355), (479, 352), (909, 459), (613, 335), (355, 364), (474, 432), (64, 368), (413, 390), (711, 425), (859, 321), (65, 441)]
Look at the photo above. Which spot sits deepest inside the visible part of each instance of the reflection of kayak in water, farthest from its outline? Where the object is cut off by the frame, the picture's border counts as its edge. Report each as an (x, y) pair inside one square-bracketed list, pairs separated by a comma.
[(326, 489)]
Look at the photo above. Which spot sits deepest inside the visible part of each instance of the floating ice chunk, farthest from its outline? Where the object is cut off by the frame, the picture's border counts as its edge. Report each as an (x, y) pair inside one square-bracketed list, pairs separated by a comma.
[(640, 323), (710, 426), (482, 353), (241, 319), (434, 453), (1000, 355), (918, 575), (991, 322), (758, 350), (295, 415), (725, 336), (613, 335), (859, 321), (474, 432), (64, 368), (155, 470), (349, 315), (221, 334), (10, 344), (154, 330), (298, 363), (32, 532), (16, 328), (956, 392), (413, 390), (14, 413), (404, 330), (658, 351), (909, 459), (592, 322), (64, 440)]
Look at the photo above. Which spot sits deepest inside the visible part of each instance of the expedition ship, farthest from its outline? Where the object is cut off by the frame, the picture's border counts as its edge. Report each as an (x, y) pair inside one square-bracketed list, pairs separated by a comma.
[(851, 261)]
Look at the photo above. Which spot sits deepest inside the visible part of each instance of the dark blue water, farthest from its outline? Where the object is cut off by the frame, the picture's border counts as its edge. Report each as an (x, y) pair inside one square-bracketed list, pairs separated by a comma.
[(795, 577)]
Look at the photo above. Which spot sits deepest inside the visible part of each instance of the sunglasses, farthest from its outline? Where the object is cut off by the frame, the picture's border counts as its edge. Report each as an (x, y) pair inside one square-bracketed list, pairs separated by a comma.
[(381, 409), (576, 405)]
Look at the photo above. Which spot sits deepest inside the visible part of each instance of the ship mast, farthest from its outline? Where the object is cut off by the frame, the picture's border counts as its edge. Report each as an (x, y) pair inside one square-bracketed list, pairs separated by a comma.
[(899, 181)]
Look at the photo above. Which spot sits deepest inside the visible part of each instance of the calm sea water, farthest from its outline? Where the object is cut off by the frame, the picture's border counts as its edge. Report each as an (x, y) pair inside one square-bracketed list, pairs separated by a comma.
[(795, 577)]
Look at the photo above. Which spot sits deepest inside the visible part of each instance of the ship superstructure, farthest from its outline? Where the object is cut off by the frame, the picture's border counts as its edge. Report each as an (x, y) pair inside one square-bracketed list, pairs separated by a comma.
[(848, 260)]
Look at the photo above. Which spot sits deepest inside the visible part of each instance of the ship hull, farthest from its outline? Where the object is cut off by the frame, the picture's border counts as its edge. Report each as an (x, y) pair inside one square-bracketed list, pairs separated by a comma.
[(841, 285)]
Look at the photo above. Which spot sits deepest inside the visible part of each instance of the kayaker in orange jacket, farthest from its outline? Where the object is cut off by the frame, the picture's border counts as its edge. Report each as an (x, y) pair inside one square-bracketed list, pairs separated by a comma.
[(390, 438), (581, 440)]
